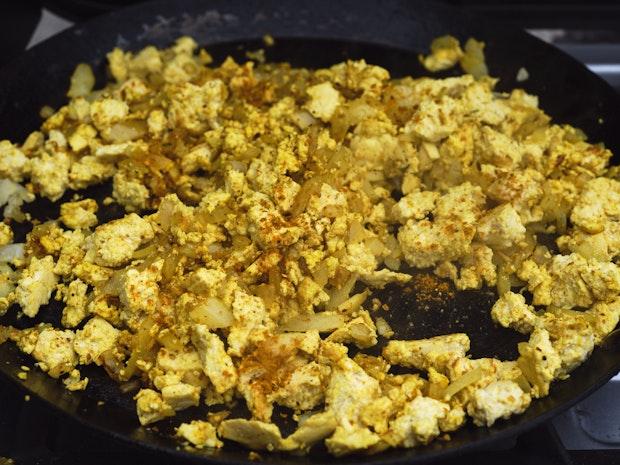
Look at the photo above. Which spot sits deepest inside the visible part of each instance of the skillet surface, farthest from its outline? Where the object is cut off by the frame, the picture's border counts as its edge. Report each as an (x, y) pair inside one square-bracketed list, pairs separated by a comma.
[(313, 34)]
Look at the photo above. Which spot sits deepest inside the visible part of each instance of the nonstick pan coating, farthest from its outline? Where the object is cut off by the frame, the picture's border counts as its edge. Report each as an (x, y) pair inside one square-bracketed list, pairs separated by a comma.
[(313, 34)]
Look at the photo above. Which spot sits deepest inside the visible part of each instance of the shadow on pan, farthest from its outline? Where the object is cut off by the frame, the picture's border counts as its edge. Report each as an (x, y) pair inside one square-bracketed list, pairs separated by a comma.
[(312, 34)]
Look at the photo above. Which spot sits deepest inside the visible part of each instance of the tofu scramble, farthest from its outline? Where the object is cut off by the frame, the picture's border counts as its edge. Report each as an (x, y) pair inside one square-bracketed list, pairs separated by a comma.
[(263, 202)]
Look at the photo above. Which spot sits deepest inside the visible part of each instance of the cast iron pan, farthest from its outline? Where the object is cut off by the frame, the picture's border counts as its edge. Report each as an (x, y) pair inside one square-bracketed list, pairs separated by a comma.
[(314, 34)]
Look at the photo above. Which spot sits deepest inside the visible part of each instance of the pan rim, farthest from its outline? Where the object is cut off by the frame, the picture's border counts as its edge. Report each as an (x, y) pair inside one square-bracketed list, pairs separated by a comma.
[(424, 456)]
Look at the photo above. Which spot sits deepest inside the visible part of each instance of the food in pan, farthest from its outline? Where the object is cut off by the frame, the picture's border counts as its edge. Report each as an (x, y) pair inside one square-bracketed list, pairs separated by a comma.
[(264, 203)]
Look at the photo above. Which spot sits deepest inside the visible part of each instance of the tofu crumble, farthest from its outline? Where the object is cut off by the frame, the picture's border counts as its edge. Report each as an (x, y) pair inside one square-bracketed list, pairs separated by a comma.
[(263, 204)]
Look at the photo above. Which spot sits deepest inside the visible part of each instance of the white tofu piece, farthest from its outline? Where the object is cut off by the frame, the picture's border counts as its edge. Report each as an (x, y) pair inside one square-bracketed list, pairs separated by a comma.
[(312, 430), (73, 382), (597, 204), (346, 441), (605, 317), (350, 388), (572, 337), (425, 243), (108, 111), (324, 100), (251, 316), (253, 434), (50, 174), (139, 289), (328, 203), (151, 407), (419, 421), (511, 311), (94, 339), (80, 214), (76, 303), (192, 106), (216, 363), (416, 205), (181, 396), (54, 352), (206, 281), (500, 399), (435, 352), (13, 163), (130, 193), (89, 170), (539, 362), (178, 361), (115, 242), (304, 390), (501, 227), (199, 434), (35, 285), (6, 234)]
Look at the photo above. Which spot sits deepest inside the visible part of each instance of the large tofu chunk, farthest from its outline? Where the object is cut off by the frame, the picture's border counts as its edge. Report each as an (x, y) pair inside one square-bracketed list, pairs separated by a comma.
[(115, 242)]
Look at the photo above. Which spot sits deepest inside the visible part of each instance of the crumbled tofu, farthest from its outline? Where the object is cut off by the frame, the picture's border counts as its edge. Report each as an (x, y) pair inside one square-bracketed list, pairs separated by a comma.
[(419, 421), (539, 361), (500, 399), (605, 318), (6, 234), (571, 281), (139, 289), (253, 434), (74, 382), (97, 337), (50, 174), (107, 111), (151, 407), (416, 205), (80, 214), (181, 395), (511, 311), (572, 337), (445, 53), (76, 303), (192, 106), (435, 352), (130, 193), (54, 352), (597, 203), (349, 390), (313, 429), (324, 100), (199, 434), (35, 285), (304, 390), (501, 227), (82, 137), (89, 170), (250, 316), (13, 162), (216, 363), (115, 242), (206, 281), (264, 205), (425, 243), (522, 75)]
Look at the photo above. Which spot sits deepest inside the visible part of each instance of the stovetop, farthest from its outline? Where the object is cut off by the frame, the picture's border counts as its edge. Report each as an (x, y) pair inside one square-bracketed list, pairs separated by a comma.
[(589, 433)]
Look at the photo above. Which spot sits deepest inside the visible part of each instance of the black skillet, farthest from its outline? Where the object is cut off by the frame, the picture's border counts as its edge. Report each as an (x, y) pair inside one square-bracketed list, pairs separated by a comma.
[(314, 34)]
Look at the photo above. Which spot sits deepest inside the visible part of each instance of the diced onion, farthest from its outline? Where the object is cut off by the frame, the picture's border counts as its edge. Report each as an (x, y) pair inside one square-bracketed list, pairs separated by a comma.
[(463, 381), (340, 295), (213, 313), (11, 252), (82, 81), (322, 322)]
